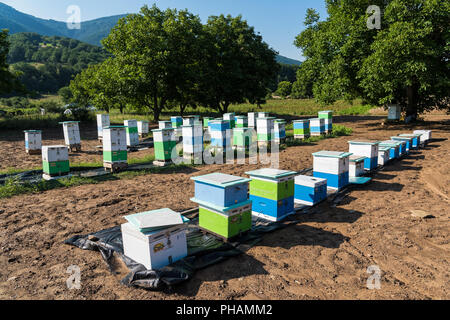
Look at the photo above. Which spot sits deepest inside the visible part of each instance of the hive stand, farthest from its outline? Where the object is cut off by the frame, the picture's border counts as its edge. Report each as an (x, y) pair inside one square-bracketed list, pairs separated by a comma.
[(115, 166), (76, 147)]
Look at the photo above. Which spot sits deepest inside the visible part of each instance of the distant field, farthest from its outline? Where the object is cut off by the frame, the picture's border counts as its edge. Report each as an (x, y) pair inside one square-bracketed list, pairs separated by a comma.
[(277, 107)]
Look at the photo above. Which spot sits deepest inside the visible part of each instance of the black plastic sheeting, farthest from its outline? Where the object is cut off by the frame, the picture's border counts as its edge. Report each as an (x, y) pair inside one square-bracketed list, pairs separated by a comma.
[(203, 250)]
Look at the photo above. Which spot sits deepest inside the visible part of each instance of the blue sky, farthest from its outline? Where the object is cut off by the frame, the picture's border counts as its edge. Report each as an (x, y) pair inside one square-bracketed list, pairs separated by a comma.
[(277, 21)]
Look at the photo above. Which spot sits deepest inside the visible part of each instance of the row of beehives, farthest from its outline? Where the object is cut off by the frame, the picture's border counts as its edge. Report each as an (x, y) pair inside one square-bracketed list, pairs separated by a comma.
[(227, 203)]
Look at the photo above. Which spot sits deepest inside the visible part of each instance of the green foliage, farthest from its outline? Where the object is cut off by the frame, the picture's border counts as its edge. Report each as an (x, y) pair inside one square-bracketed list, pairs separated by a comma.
[(46, 64), (284, 89), (8, 81), (183, 63), (406, 62), (66, 94)]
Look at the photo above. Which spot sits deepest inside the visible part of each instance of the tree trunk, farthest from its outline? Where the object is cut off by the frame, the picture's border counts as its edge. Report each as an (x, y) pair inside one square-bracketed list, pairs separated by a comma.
[(411, 106), (182, 108), (225, 106), (156, 110)]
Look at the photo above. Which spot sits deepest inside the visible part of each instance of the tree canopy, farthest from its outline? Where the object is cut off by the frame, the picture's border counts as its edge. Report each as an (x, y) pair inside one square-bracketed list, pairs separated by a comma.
[(166, 58), (406, 62), (8, 80)]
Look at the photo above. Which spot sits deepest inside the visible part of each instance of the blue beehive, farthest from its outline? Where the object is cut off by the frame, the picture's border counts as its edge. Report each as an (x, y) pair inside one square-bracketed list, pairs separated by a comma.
[(310, 190), (408, 141), (415, 139), (220, 189), (368, 149), (394, 148), (333, 166), (317, 126)]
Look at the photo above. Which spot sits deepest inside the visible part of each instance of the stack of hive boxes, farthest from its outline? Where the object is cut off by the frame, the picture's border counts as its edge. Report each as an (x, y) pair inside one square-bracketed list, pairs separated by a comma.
[(263, 115), (230, 117), (225, 210), (368, 149), (221, 135), (333, 166), (280, 130), (143, 128), (394, 148), (165, 125), (72, 135), (425, 136), (193, 141), (55, 161), (317, 126), (132, 133), (155, 238), (265, 128), (415, 139), (272, 193), (241, 122), (33, 141), (243, 138), (309, 190), (251, 119), (408, 142), (328, 119), (301, 129), (206, 131), (165, 143), (102, 121), (177, 123), (115, 155)]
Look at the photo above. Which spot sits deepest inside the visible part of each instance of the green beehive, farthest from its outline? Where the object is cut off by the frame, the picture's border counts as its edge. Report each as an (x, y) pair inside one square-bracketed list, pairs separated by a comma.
[(206, 121), (225, 222), (273, 190), (241, 122), (243, 137), (164, 144)]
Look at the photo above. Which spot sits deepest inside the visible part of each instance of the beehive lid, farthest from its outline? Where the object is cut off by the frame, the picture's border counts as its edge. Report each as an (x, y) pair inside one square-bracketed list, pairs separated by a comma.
[(410, 135), (332, 154), (401, 138), (64, 122), (364, 142), (156, 219), (219, 208), (148, 122), (267, 118), (114, 127), (220, 179), (270, 173), (326, 111), (313, 119), (355, 158), (301, 121), (164, 129), (384, 148), (32, 131), (390, 143), (280, 120), (55, 146)]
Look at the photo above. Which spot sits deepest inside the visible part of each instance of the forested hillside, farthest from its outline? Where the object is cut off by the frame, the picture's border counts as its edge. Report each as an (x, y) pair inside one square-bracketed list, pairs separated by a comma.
[(48, 63)]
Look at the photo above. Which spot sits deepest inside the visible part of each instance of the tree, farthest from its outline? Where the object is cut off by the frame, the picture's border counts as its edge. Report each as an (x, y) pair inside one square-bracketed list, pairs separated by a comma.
[(405, 62), (66, 94), (8, 80), (284, 89), (239, 66)]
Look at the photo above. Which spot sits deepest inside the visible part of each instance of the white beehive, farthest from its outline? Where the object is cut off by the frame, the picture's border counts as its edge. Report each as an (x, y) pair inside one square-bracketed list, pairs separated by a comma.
[(156, 238), (114, 144), (71, 133), (317, 126), (333, 166), (425, 135), (263, 115), (356, 165), (132, 133), (33, 141), (383, 155), (143, 127), (102, 121), (165, 124), (193, 139), (55, 153), (394, 112), (251, 119), (55, 161), (265, 128), (368, 149)]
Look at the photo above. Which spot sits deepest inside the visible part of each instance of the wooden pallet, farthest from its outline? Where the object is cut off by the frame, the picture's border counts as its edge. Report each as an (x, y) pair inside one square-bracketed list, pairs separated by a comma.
[(224, 239), (115, 166), (34, 152)]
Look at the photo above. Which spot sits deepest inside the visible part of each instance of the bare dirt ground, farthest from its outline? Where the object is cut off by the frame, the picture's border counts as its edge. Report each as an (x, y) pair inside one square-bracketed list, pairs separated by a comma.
[(326, 256), (13, 155)]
